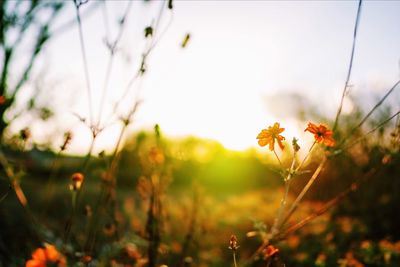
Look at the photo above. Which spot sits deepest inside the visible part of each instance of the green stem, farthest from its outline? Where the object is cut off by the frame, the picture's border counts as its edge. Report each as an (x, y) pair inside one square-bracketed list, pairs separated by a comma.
[(276, 155), (305, 158), (234, 259), (275, 227), (304, 191)]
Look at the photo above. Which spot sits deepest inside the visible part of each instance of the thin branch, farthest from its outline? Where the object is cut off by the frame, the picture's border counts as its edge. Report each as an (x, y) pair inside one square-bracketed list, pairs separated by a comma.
[(373, 130), (112, 49), (276, 155), (305, 158), (150, 47), (304, 191), (84, 14), (375, 107), (85, 62), (346, 84), (352, 188), (277, 221)]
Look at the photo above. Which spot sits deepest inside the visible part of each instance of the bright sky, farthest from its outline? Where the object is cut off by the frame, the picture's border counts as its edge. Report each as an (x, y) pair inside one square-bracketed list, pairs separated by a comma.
[(226, 83)]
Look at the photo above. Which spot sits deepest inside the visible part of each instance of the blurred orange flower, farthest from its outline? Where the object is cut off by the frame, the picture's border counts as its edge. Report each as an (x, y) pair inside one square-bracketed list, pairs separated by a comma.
[(48, 254), (76, 181), (321, 134), (2, 99), (270, 251), (268, 136)]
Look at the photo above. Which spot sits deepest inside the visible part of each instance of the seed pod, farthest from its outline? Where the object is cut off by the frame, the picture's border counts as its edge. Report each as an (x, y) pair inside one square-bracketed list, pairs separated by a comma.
[(233, 244)]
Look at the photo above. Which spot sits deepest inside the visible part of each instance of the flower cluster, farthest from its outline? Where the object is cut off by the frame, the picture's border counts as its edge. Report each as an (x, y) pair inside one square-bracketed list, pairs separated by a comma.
[(273, 133)]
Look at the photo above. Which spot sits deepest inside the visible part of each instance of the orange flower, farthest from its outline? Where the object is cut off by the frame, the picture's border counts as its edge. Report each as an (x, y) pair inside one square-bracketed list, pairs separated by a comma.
[(76, 181), (268, 136), (2, 99), (38, 259), (321, 134), (41, 256), (270, 251)]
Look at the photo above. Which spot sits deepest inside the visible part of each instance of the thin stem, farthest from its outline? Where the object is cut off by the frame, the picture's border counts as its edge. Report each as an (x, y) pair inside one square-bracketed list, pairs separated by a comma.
[(4, 196), (276, 155), (373, 130), (19, 194), (352, 188), (85, 63), (93, 225), (275, 227), (346, 84), (305, 158), (76, 197), (375, 107), (112, 49), (49, 184), (150, 47), (304, 191), (234, 259)]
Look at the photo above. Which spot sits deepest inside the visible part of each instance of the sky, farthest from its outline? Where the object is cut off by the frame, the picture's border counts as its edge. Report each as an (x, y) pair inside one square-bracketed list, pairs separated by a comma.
[(246, 65)]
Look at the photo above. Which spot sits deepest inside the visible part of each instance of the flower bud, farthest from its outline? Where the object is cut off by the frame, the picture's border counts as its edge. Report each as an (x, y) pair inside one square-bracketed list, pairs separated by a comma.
[(76, 181)]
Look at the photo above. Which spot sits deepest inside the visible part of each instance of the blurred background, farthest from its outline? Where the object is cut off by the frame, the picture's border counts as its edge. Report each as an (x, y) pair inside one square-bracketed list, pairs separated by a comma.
[(210, 75), (246, 65)]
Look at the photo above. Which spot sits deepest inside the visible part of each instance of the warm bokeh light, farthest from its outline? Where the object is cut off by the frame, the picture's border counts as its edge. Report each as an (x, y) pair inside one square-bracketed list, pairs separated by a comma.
[(199, 133), (234, 74)]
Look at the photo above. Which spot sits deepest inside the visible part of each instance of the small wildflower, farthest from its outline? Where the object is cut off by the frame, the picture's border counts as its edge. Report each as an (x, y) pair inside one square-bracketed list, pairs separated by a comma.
[(156, 156), (321, 134), (86, 259), (295, 145), (270, 251), (49, 254), (268, 136), (2, 99), (350, 260), (76, 181), (233, 244)]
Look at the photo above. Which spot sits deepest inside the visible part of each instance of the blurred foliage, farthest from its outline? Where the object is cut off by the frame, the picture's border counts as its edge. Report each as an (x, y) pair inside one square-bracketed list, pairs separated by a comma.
[(207, 193)]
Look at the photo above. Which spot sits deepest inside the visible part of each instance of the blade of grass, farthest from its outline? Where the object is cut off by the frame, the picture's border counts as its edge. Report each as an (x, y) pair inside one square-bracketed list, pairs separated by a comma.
[(352, 188), (346, 84)]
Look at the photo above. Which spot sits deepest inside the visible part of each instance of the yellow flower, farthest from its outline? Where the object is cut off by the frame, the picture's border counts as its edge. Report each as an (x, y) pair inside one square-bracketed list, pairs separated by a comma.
[(268, 136), (321, 134)]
